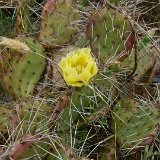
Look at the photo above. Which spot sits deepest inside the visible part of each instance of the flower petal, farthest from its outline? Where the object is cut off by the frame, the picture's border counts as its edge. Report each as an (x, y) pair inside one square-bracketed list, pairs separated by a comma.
[(72, 78), (71, 73), (76, 84), (74, 60), (86, 51), (94, 69), (85, 75), (62, 63), (89, 66)]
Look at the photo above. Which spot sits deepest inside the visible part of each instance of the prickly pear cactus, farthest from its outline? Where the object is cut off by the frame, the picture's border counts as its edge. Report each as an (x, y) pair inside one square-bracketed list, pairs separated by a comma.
[(20, 72), (135, 125), (34, 130), (58, 23), (110, 34)]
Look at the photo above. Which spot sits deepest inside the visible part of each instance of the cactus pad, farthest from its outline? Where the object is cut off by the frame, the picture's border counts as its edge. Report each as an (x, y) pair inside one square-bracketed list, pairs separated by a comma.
[(19, 72), (147, 58), (57, 24), (110, 34), (31, 116), (135, 125)]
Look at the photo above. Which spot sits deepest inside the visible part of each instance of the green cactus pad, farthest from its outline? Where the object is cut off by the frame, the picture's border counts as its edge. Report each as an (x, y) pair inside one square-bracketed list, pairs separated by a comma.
[(146, 60), (31, 116), (57, 24), (123, 111), (19, 72), (135, 125), (110, 34)]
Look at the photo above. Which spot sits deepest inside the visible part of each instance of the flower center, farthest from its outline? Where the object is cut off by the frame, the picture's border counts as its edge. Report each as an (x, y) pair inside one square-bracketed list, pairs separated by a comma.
[(78, 61), (79, 68)]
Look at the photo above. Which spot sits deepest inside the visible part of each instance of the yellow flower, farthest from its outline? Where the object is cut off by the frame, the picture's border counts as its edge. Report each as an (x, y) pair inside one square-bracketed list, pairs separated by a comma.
[(78, 67)]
